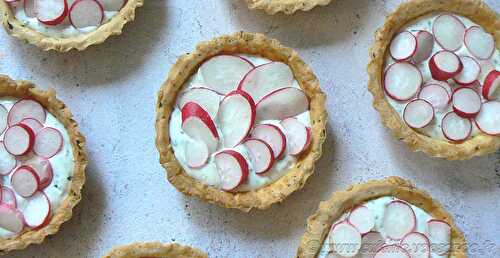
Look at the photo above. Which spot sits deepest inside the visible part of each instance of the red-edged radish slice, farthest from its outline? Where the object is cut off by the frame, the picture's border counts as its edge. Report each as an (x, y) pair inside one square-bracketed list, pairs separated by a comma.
[(32, 123), (470, 72), (445, 65), (223, 73), (346, 239), (207, 98), (439, 233), (371, 242), (456, 128), (196, 123), (25, 181), (266, 78), (449, 32), (425, 44), (491, 86), (7, 161), (18, 139), (26, 108), (479, 43), (236, 117), (51, 12), (488, 119), (86, 13), (362, 219), (403, 46), (37, 210), (273, 136), (29, 8), (113, 5), (3, 118), (466, 102), (399, 220), (392, 251), (261, 155), (11, 219), (48, 142), (232, 169), (443, 84), (282, 104), (42, 168), (298, 135), (8, 197), (417, 245), (436, 95), (418, 113), (197, 154), (402, 80)]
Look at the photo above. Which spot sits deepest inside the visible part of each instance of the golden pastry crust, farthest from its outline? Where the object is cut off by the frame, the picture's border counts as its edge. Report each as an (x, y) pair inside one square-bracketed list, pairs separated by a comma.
[(155, 249), (24, 89), (475, 10), (318, 225), (113, 27), (186, 65), (285, 6)]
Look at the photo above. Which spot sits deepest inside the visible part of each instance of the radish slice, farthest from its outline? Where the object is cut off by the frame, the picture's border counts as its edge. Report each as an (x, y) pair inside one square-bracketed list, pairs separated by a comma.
[(436, 95), (466, 102), (8, 197), (371, 242), (402, 80), (29, 8), (425, 44), (470, 71), (403, 46), (48, 142), (362, 219), (488, 120), (18, 139), (37, 210), (445, 65), (207, 98), (51, 12), (196, 123), (443, 84), (456, 128), (392, 251), (298, 135), (449, 32), (26, 108), (232, 168), (399, 220), (223, 73), (273, 136), (439, 233), (418, 113), (11, 219), (266, 78), (86, 13), (282, 104), (479, 43), (491, 86), (261, 155), (197, 154), (32, 123), (3, 118), (236, 117), (42, 168), (113, 5), (7, 161), (417, 245), (346, 239), (25, 181)]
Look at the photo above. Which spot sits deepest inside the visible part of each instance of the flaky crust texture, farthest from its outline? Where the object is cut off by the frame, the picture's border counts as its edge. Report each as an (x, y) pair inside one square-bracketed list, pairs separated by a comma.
[(155, 249), (285, 6), (113, 27), (318, 225), (186, 65), (24, 89), (475, 10)]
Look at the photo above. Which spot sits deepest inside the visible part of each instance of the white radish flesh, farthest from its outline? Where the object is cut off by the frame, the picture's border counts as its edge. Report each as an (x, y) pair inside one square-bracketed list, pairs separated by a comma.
[(113, 5), (232, 169), (8, 197), (11, 219), (403, 46), (86, 13), (491, 86), (25, 181), (399, 220), (425, 44), (282, 104), (261, 155), (48, 142), (371, 242), (197, 154), (418, 113), (488, 119), (37, 210), (470, 72), (207, 98), (346, 239), (402, 80), (362, 219), (32, 123), (445, 65), (466, 102), (196, 123), (223, 73), (298, 136), (436, 95), (26, 108), (18, 139), (456, 128), (266, 78), (3, 118), (392, 251), (449, 32), (479, 43), (439, 233), (51, 12), (417, 245), (7, 161), (29, 8), (443, 84), (42, 167), (273, 136), (236, 117)]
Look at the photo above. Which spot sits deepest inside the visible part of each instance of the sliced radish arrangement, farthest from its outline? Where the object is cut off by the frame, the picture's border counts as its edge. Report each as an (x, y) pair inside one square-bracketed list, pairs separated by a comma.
[(236, 117), (51, 12), (25, 181), (362, 219), (86, 13), (11, 219), (266, 78), (48, 142), (392, 251), (488, 120), (18, 139), (261, 155), (470, 71), (298, 135), (466, 102), (197, 154), (425, 44), (346, 239), (8, 197), (439, 233), (196, 123), (456, 128), (445, 65), (403, 46), (371, 242), (491, 86), (3, 118), (223, 73), (42, 168), (480, 43), (26, 108), (113, 5), (7, 161), (418, 113), (281, 104), (29, 8), (449, 32), (417, 245), (273, 136), (232, 168), (37, 210), (399, 220), (402, 80), (436, 95), (32, 123), (207, 98)]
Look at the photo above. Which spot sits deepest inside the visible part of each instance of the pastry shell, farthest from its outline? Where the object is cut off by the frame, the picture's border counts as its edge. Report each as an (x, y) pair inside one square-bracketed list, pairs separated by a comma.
[(186, 65), (113, 27), (24, 89), (318, 225), (475, 10), (285, 6), (155, 249)]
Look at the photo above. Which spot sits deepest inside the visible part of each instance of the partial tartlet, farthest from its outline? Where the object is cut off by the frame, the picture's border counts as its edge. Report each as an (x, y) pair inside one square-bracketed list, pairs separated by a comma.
[(434, 75), (285, 6), (77, 24), (238, 124), (381, 217), (43, 164), (155, 249)]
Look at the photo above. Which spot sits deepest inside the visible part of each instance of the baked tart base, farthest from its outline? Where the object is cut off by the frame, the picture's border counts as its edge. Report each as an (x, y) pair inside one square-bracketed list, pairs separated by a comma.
[(155, 249), (285, 6)]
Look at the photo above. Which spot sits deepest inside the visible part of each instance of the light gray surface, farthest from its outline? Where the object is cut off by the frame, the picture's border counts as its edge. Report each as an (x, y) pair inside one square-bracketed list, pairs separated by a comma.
[(112, 88)]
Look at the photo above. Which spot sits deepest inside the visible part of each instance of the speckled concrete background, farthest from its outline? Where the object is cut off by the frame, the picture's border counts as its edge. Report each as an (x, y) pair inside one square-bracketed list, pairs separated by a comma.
[(112, 88)]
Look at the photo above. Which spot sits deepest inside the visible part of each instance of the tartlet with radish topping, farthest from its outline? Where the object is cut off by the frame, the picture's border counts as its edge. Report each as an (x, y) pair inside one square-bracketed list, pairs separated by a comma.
[(435, 77), (285, 6), (381, 218), (63, 25), (155, 249), (240, 122), (42, 164)]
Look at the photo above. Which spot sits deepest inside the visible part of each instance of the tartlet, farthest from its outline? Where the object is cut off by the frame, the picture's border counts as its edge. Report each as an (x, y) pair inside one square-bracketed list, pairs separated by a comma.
[(285, 6), (340, 203), (155, 249), (295, 175), (453, 147)]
